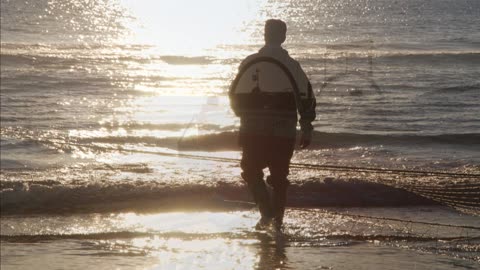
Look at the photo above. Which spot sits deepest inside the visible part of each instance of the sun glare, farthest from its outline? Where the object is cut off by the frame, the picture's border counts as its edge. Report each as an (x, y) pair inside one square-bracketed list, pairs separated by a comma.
[(190, 27)]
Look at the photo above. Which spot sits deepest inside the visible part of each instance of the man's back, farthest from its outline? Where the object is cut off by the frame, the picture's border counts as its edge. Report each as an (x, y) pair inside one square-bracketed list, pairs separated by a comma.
[(281, 117), (281, 55)]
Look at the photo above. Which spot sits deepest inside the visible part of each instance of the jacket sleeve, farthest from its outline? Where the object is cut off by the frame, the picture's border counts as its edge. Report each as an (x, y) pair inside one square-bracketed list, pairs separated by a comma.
[(307, 114), (233, 101)]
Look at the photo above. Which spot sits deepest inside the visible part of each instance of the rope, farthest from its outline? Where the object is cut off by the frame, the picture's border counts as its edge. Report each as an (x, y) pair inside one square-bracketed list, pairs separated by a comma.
[(293, 164), (374, 217), (408, 221)]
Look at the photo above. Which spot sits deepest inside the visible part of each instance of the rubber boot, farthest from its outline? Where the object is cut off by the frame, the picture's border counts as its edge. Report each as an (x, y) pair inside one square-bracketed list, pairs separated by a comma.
[(262, 199), (279, 200)]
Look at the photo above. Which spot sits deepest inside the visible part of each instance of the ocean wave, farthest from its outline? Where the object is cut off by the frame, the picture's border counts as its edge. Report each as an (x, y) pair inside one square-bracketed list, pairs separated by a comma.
[(76, 55), (348, 139), (38, 197), (72, 54), (454, 90), (433, 57), (71, 46), (34, 238), (131, 125), (396, 55), (183, 60), (40, 59), (228, 140), (321, 140)]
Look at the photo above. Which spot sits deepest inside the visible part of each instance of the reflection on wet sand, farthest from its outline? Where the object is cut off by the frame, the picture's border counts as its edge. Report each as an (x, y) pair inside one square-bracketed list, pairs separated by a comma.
[(271, 252)]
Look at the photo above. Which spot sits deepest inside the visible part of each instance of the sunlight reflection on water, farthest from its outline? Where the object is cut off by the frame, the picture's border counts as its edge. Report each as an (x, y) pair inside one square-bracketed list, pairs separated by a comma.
[(227, 240), (174, 28)]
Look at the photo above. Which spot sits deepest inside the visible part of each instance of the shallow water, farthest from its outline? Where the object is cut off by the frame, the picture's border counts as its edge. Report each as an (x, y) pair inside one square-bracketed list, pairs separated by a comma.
[(312, 239)]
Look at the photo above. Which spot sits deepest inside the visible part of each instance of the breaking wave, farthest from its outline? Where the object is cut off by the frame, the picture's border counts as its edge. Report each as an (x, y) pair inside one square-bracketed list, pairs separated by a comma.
[(70, 54), (229, 140), (456, 89), (181, 235), (21, 197), (60, 59)]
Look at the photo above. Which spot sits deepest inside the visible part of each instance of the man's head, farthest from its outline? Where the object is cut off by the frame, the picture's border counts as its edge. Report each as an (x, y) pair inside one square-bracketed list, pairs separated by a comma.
[(275, 32)]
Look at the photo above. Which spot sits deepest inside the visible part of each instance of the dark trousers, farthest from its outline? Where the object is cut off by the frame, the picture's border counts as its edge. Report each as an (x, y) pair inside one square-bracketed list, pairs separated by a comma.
[(259, 152)]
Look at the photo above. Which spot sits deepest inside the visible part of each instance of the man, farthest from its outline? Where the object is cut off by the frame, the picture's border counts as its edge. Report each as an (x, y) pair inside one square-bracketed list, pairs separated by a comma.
[(268, 125)]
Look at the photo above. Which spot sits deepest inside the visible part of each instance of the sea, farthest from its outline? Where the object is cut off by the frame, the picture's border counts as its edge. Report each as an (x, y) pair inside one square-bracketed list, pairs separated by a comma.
[(119, 147)]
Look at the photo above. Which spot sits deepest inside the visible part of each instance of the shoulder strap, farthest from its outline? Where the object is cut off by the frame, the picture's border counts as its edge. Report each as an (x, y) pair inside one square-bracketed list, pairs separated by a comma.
[(296, 91)]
